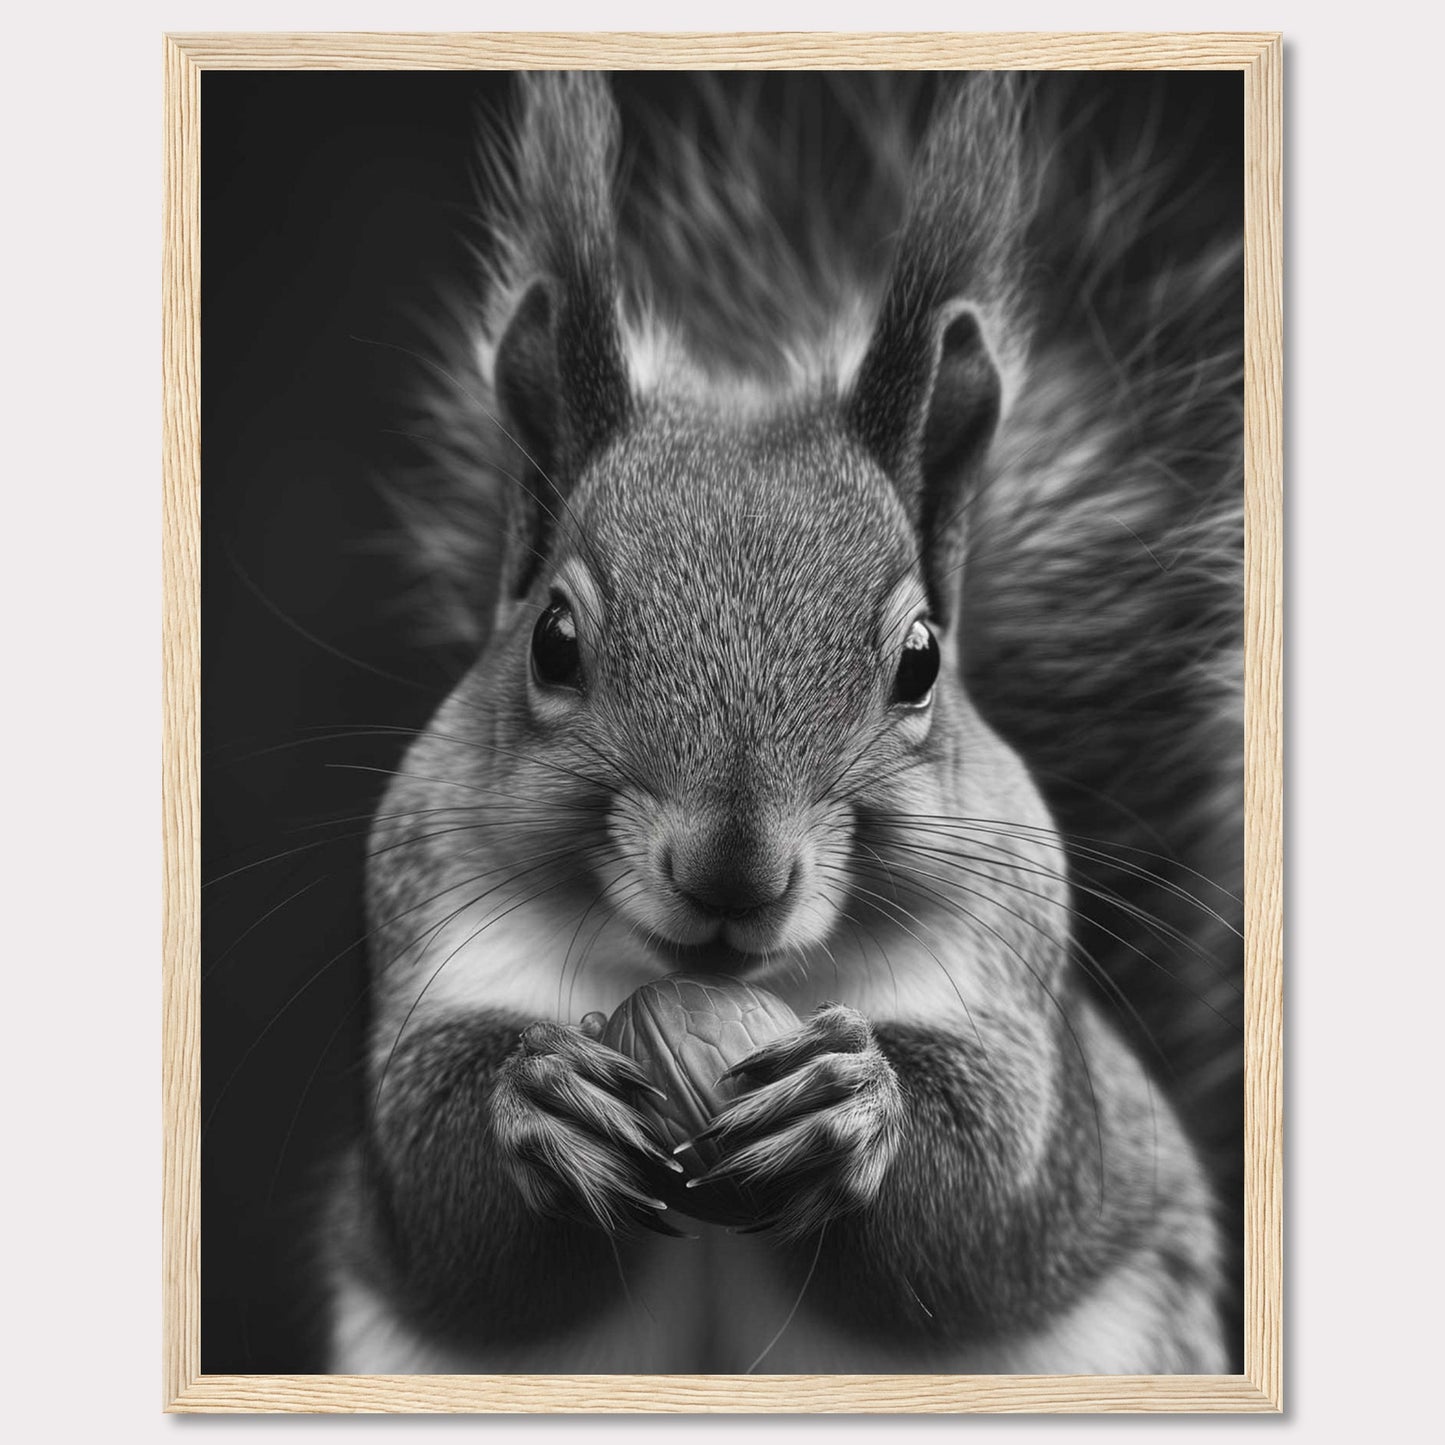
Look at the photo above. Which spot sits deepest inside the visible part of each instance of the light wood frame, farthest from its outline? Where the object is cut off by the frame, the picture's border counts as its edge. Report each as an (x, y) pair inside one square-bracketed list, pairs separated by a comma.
[(1258, 55)]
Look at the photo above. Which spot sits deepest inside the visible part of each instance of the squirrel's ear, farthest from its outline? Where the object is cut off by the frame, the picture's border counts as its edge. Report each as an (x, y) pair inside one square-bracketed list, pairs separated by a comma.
[(927, 397), (562, 391), (525, 379), (559, 373), (926, 407)]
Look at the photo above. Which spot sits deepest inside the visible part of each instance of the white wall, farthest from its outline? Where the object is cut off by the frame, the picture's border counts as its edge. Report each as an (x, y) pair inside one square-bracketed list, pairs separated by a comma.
[(79, 569)]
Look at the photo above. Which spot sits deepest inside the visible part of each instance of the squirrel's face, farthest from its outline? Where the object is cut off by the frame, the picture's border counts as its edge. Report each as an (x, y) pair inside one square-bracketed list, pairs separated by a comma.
[(732, 631)]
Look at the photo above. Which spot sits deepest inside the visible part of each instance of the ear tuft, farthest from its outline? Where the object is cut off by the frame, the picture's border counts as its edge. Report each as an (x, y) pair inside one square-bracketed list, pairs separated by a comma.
[(525, 378), (927, 407), (558, 370), (963, 413), (967, 395), (927, 396)]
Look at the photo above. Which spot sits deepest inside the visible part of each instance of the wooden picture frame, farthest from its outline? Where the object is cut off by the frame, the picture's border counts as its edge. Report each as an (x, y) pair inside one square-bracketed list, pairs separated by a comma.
[(1258, 1388)]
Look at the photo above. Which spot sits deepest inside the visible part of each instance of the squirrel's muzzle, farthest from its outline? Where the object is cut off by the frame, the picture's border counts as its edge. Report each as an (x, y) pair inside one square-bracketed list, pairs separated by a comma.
[(725, 882), (701, 873), (731, 872)]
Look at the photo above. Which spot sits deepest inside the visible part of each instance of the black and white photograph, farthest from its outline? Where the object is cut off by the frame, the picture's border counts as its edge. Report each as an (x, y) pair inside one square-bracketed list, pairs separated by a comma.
[(722, 722)]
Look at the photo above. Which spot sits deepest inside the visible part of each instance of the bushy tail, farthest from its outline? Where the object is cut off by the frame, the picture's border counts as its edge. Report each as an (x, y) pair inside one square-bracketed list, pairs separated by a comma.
[(1104, 589)]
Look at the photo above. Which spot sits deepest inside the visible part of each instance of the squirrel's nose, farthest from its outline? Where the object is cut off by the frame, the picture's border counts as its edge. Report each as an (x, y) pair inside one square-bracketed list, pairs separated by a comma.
[(729, 887)]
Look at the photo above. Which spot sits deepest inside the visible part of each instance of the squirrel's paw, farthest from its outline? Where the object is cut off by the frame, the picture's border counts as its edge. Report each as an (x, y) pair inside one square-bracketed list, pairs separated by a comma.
[(569, 1134), (815, 1133)]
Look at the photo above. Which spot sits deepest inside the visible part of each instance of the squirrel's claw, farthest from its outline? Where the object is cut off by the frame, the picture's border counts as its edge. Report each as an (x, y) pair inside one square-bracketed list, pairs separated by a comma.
[(588, 1056), (822, 1081), (833, 1029), (817, 1133), (572, 1141)]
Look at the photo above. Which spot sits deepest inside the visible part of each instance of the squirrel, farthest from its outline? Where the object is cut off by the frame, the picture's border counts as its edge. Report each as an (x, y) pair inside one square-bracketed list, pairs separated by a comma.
[(852, 570)]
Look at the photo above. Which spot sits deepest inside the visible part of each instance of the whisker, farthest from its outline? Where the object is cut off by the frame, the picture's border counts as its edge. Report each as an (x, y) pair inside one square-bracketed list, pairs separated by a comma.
[(1116, 994), (416, 1002), (282, 616), (210, 970), (326, 967), (802, 1290), (456, 782), (958, 861), (1076, 844), (577, 933), (942, 967), (526, 814), (1159, 929), (1059, 1009)]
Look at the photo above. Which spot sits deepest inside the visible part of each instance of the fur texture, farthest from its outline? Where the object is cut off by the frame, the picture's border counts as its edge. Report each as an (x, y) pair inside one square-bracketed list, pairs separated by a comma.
[(1104, 571), (958, 376)]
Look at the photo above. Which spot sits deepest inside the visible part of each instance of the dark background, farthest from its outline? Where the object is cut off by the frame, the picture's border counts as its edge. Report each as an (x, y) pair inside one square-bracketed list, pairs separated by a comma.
[(335, 213)]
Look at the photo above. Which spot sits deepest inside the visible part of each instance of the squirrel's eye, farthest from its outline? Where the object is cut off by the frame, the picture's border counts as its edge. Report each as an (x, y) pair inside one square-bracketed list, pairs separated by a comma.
[(918, 667), (556, 657)]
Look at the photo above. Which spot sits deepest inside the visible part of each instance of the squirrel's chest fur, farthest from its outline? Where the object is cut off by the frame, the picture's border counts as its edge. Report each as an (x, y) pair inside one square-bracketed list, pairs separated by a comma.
[(720, 1305)]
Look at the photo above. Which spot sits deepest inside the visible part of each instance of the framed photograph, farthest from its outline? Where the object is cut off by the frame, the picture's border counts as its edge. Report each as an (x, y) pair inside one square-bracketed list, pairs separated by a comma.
[(722, 762)]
